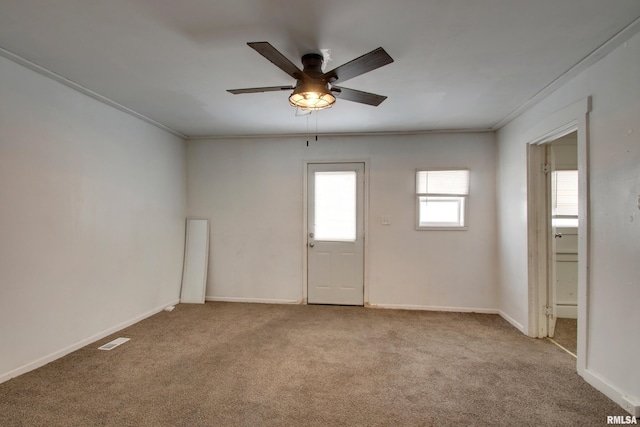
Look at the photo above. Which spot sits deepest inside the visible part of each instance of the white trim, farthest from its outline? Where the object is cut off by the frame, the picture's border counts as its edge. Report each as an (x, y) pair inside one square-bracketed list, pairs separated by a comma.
[(305, 229), (555, 125), (536, 240), (253, 300), (512, 321), (82, 343), (305, 136), (365, 276), (434, 308), (600, 52), (584, 234), (85, 91), (629, 404)]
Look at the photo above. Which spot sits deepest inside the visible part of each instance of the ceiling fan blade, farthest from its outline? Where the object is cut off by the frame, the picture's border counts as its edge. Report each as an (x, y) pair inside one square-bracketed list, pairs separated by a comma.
[(367, 62), (357, 96), (279, 60), (260, 89)]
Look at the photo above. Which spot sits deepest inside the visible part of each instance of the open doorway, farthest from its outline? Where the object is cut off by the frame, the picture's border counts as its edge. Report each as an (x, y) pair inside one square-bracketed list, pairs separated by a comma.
[(554, 225), (561, 176), (570, 120)]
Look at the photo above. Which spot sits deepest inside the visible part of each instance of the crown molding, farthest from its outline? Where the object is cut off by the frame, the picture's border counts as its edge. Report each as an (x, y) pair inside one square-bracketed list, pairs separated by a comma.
[(86, 91), (600, 52), (340, 134)]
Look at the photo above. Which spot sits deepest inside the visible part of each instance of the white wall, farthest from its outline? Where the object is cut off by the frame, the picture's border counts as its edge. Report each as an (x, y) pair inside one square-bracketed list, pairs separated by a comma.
[(614, 287), (565, 152), (91, 218), (252, 190)]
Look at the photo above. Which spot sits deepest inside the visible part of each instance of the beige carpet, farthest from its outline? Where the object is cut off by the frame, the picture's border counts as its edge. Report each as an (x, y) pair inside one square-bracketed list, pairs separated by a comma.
[(231, 364), (566, 334)]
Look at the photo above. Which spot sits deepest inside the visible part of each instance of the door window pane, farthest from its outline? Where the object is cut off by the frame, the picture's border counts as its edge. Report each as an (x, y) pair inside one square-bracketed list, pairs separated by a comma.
[(335, 206)]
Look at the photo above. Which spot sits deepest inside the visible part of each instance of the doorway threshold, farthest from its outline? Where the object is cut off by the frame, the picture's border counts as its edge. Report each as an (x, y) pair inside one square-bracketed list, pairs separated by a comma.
[(562, 347)]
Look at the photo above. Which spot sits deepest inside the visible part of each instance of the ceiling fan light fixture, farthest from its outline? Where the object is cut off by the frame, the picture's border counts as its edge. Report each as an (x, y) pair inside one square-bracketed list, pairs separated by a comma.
[(312, 97)]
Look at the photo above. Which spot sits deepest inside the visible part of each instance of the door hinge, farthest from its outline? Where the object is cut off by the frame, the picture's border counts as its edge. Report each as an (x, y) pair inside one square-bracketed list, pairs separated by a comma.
[(547, 310), (545, 167)]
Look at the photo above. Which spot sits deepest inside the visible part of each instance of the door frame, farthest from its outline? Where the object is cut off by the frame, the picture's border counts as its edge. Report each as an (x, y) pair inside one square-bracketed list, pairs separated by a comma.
[(305, 226), (572, 118)]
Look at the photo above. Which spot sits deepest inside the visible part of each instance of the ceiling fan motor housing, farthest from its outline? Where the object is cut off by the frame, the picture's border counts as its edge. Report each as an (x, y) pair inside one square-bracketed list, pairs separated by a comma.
[(312, 64), (312, 67)]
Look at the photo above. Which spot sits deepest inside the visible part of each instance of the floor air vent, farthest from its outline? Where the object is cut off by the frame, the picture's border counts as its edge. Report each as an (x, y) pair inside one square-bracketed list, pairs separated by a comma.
[(113, 344)]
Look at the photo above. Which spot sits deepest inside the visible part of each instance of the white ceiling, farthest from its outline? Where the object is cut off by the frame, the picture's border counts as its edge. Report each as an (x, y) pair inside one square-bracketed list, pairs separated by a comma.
[(459, 64)]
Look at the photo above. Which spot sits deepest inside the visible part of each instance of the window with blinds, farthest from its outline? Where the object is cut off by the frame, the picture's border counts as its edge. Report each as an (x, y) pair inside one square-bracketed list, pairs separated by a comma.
[(564, 198), (441, 199)]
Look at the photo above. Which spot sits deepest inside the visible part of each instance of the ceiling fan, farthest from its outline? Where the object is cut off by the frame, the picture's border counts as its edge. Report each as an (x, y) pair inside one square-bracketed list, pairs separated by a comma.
[(314, 89)]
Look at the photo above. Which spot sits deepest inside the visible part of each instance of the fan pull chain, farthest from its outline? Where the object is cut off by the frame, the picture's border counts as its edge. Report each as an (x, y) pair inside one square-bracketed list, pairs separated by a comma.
[(307, 130)]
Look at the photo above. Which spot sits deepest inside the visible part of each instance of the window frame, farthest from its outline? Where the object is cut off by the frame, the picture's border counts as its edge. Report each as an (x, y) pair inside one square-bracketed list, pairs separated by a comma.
[(463, 197)]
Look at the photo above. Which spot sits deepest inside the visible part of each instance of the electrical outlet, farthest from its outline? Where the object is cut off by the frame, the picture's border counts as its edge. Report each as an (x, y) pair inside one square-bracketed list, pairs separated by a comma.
[(386, 220)]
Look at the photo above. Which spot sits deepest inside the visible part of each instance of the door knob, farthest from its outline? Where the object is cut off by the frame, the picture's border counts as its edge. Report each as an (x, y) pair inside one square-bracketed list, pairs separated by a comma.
[(558, 236), (311, 244)]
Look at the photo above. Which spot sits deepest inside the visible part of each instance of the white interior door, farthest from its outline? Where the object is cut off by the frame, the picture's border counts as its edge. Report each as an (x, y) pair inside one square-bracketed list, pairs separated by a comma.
[(553, 235), (335, 233)]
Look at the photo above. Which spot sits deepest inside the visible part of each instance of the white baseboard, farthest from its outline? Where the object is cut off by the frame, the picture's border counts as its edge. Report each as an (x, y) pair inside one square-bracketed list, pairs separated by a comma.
[(632, 406), (567, 311), (253, 300), (513, 322), (433, 308), (63, 352)]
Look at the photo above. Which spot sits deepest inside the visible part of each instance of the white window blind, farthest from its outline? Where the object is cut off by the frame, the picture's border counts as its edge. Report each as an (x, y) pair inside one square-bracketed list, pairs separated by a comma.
[(564, 186), (454, 182)]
